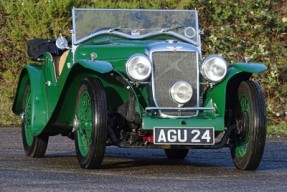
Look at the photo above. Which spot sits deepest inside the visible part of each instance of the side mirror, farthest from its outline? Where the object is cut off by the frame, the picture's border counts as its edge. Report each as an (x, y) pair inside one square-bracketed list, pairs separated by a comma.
[(62, 43)]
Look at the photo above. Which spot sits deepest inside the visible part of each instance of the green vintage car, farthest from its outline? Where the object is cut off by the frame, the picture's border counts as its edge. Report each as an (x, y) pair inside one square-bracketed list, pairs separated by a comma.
[(137, 78)]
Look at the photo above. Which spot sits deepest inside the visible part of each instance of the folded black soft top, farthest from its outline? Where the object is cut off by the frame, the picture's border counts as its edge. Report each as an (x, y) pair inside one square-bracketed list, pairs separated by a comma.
[(37, 47)]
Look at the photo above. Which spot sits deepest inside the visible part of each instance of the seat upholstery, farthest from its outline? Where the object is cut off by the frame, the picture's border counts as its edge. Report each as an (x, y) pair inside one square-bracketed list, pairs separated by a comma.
[(59, 62)]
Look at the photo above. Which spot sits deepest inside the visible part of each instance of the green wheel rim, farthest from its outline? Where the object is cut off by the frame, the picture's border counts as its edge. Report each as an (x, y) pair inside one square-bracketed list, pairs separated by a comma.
[(243, 141), (27, 121), (84, 132)]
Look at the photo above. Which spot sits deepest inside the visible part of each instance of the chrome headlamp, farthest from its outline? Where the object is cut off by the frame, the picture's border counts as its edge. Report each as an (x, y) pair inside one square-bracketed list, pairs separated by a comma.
[(138, 67), (214, 68), (181, 92)]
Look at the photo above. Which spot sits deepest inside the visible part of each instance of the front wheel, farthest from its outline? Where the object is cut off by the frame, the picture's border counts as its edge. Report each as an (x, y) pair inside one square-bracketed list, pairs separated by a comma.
[(91, 120), (248, 141), (34, 146)]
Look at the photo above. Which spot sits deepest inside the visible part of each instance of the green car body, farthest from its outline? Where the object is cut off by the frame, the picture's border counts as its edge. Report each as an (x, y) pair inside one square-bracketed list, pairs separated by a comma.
[(130, 103)]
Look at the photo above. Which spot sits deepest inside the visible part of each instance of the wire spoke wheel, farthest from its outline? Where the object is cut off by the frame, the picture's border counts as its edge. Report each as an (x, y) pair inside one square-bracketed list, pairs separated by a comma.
[(247, 144), (85, 117), (91, 133), (34, 146), (27, 119)]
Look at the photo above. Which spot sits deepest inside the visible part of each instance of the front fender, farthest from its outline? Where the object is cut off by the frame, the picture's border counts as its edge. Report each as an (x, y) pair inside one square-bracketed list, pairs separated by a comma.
[(33, 74), (249, 67), (216, 96), (81, 69)]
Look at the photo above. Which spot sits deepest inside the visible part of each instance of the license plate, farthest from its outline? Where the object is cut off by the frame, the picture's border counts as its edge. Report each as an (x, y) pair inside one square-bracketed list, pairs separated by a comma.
[(183, 136)]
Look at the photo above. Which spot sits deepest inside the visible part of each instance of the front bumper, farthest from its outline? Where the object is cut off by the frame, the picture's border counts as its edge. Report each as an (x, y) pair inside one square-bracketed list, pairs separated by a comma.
[(222, 133), (149, 122)]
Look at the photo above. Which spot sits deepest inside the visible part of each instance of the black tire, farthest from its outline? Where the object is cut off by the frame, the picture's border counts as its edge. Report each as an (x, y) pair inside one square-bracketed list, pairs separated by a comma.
[(34, 146), (248, 141), (176, 153), (91, 133)]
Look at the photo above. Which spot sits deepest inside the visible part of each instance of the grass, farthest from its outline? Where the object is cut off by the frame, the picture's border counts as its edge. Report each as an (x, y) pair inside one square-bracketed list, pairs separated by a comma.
[(7, 118), (280, 128)]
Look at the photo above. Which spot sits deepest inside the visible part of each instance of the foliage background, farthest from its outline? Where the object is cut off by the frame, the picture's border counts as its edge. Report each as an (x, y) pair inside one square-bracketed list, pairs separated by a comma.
[(256, 28)]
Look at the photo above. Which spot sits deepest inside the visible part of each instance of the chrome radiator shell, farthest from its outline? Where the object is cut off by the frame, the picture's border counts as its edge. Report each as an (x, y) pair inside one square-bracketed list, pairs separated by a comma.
[(172, 62)]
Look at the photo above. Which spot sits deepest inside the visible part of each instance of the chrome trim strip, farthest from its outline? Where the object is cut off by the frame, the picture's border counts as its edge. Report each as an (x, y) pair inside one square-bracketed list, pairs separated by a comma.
[(137, 37), (181, 109), (197, 109), (74, 26)]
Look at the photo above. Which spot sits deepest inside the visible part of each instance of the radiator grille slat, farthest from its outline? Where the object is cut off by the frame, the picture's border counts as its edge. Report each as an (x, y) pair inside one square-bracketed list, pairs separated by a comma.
[(170, 67)]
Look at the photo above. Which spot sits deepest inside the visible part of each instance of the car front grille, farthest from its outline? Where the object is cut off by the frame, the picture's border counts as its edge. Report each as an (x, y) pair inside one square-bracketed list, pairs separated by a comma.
[(170, 67)]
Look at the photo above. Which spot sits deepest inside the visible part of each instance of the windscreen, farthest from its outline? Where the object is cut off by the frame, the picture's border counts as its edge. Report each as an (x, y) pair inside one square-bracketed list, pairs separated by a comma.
[(135, 24)]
